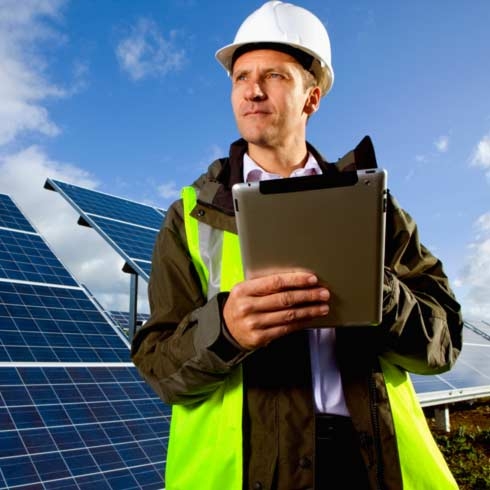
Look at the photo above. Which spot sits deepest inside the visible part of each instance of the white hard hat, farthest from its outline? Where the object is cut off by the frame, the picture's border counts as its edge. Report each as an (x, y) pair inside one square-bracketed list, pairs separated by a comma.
[(288, 25)]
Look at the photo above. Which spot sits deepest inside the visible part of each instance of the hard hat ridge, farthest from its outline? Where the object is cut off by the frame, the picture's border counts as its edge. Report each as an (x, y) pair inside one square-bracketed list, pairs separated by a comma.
[(287, 25)]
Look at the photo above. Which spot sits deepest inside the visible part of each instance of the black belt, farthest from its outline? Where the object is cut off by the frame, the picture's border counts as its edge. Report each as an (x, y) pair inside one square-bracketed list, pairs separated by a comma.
[(329, 426), (338, 458)]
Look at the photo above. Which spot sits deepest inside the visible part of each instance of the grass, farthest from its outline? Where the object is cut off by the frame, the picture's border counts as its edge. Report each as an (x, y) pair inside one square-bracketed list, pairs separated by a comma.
[(467, 447), (465, 451)]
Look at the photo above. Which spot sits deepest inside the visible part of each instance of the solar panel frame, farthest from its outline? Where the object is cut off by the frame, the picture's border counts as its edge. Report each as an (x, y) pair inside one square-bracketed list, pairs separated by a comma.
[(131, 229), (116, 208), (480, 328), (122, 317)]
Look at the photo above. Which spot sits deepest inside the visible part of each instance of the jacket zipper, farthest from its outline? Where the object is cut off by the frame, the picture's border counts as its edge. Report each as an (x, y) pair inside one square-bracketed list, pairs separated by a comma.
[(373, 407)]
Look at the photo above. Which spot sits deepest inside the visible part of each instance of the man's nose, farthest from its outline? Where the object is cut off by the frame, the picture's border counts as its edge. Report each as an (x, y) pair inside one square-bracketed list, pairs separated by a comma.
[(255, 91)]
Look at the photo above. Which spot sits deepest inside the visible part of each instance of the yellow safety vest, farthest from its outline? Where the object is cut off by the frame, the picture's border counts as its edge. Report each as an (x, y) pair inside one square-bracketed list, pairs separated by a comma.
[(205, 442)]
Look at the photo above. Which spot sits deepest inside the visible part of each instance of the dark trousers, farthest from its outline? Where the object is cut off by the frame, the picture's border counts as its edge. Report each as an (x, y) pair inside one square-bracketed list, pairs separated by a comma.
[(339, 464)]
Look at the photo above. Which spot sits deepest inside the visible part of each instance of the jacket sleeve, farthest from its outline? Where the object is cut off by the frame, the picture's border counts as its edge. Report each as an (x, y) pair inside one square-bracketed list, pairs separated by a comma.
[(183, 350), (422, 321)]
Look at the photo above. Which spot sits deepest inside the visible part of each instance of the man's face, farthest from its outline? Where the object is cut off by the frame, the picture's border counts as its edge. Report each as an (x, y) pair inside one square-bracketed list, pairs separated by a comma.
[(269, 99)]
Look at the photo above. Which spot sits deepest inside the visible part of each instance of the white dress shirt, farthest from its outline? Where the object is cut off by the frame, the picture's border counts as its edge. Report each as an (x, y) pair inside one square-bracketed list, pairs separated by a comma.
[(327, 384)]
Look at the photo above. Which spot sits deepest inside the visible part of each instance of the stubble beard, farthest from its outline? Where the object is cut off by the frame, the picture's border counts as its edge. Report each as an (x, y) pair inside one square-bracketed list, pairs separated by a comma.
[(265, 136)]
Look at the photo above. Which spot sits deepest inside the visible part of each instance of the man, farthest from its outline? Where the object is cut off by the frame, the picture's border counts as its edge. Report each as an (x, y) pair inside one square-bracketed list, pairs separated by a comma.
[(259, 401)]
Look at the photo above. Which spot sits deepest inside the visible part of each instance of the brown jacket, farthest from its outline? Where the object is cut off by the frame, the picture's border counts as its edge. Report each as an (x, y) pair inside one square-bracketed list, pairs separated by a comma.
[(185, 352)]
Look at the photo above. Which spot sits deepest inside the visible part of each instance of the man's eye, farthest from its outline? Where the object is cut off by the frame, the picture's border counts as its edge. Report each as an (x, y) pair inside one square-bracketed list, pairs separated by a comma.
[(275, 75)]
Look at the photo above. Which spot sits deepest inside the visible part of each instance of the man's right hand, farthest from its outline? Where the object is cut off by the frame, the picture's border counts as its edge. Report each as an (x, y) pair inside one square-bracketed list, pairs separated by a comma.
[(262, 309)]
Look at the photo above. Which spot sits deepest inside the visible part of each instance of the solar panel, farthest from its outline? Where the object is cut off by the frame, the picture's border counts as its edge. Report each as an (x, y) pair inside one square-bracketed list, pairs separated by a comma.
[(74, 412), (469, 378), (136, 241), (481, 328), (79, 428), (129, 227), (122, 318), (100, 204)]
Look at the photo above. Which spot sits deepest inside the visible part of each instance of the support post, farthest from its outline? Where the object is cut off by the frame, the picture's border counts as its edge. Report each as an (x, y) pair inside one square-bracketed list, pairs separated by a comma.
[(441, 415), (133, 305)]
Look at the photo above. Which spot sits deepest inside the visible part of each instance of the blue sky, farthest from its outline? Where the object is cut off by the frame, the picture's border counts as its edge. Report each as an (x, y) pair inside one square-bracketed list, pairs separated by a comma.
[(126, 97)]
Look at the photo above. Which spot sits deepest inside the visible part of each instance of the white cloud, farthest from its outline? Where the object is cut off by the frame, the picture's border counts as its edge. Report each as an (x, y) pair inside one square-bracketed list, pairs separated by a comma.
[(24, 85), (80, 72), (481, 154), (410, 174), (476, 275), (14, 12), (214, 152), (81, 249), (483, 222), (168, 190), (145, 52), (442, 144)]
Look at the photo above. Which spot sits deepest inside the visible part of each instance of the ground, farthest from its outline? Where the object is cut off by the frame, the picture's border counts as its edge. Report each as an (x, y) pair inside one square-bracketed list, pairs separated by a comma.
[(467, 446), (472, 416)]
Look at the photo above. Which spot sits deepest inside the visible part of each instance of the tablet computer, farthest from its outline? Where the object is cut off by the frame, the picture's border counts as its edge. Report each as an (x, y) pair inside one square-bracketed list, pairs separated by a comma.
[(333, 226)]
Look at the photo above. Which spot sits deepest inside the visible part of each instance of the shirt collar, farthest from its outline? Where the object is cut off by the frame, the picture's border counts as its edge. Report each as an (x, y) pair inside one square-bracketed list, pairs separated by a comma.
[(251, 171)]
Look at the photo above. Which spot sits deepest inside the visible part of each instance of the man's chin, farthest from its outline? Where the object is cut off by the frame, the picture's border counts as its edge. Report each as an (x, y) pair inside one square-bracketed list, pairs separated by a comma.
[(256, 137)]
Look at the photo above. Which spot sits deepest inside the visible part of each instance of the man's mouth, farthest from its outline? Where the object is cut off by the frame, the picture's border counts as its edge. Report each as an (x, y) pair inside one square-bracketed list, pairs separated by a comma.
[(256, 112)]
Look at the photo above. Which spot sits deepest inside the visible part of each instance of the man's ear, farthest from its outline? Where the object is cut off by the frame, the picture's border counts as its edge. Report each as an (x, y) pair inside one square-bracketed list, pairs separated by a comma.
[(313, 101)]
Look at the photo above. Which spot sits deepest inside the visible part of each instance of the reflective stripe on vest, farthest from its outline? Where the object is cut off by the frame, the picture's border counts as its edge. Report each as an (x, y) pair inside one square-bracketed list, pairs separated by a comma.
[(205, 443), (422, 464)]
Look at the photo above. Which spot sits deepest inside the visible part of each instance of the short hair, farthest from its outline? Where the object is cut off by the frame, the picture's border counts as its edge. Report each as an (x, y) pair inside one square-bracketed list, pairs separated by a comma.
[(309, 79)]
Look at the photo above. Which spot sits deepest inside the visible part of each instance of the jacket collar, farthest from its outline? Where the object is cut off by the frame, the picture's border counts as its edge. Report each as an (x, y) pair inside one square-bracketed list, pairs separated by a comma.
[(215, 188)]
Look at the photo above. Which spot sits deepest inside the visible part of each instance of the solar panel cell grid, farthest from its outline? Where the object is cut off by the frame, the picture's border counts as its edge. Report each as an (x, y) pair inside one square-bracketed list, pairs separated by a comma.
[(26, 257), (137, 242), (11, 217), (93, 202), (48, 324), (65, 441)]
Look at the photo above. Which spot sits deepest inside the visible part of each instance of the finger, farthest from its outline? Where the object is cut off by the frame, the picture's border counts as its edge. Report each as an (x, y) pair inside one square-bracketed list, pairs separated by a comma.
[(263, 328), (291, 299), (262, 286), (245, 306), (292, 317), (285, 322)]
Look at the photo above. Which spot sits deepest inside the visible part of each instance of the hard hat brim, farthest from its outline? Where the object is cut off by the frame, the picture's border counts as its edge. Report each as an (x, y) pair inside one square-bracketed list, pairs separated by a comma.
[(324, 75)]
